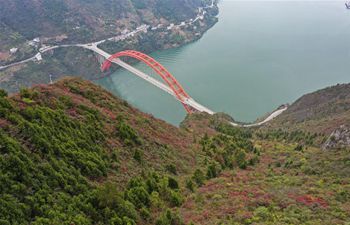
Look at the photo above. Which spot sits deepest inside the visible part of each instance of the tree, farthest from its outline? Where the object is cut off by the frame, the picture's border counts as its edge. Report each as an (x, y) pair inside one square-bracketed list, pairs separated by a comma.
[(3, 93), (198, 177)]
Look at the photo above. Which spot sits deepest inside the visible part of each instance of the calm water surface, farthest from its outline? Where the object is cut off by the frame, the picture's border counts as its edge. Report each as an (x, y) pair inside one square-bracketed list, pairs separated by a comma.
[(257, 57)]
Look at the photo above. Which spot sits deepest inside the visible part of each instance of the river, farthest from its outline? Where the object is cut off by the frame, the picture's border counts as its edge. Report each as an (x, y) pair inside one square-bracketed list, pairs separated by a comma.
[(259, 55)]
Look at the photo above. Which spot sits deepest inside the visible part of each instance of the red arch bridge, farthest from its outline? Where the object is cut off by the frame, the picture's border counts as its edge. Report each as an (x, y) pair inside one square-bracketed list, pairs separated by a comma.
[(170, 84)]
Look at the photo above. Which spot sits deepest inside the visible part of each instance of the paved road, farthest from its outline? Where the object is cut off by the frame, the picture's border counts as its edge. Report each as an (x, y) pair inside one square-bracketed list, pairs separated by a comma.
[(119, 37), (269, 118), (33, 58)]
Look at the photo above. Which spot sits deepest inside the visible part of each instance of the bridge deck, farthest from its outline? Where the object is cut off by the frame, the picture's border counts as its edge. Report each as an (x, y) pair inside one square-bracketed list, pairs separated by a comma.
[(189, 101)]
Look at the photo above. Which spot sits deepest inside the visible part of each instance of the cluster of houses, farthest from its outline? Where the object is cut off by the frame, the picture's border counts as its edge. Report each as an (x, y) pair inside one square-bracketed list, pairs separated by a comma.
[(34, 43), (126, 33), (143, 28)]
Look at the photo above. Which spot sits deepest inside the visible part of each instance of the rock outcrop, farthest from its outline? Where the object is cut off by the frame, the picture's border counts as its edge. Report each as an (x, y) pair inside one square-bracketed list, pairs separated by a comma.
[(339, 138)]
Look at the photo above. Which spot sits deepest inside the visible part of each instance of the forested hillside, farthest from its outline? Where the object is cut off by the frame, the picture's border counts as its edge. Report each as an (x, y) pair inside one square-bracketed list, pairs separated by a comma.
[(71, 153)]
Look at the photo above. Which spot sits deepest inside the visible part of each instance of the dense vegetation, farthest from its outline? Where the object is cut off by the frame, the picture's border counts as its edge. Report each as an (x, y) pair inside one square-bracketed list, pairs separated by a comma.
[(288, 186), (54, 154), (71, 153)]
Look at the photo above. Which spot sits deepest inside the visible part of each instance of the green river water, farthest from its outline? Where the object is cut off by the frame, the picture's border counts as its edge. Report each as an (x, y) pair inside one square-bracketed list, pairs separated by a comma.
[(257, 57)]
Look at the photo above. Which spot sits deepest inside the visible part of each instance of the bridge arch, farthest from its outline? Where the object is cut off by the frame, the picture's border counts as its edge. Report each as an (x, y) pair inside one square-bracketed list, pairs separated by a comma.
[(169, 79)]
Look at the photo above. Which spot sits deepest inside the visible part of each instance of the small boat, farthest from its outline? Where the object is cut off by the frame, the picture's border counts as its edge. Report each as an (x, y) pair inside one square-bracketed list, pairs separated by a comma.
[(347, 4)]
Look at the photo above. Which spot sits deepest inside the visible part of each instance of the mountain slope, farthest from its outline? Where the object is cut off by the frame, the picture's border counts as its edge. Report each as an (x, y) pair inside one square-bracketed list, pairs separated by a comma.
[(59, 142), (71, 153), (318, 113)]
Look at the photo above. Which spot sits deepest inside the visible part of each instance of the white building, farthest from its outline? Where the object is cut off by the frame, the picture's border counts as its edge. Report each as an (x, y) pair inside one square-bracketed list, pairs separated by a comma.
[(170, 26), (36, 40), (38, 57), (13, 50), (143, 28), (31, 43)]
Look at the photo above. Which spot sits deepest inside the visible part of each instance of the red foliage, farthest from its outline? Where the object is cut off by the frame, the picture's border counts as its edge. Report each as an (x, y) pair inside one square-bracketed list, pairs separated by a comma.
[(73, 112), (210, 186), (4, 123), (309, 200), (253, 197)]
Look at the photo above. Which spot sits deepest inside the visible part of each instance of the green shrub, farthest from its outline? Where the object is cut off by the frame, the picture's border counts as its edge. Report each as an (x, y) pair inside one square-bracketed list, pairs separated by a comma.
[(172, 183), (3, 93), (198, 177), (299, 148), (262, 213), (5, 108), (176, 198), (342, 196), (171, 168), (169, 218), (126, 133), (155, 200), (66, 101), (212, 171), (137, 155), (240, 157), (138, 196), (152, 182), (190, 185), (227, 151), (26, 93), (108, 196), (145, 214), (254, 160)]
